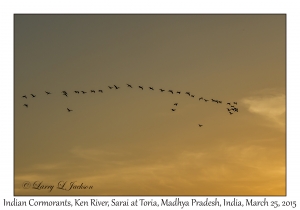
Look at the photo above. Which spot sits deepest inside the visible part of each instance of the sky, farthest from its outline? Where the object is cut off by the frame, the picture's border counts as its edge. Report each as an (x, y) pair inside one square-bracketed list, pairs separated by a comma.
[(128, 141)]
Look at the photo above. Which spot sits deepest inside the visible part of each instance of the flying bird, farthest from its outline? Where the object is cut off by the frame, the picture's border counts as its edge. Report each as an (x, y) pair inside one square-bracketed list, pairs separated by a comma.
[(32, 95), (151, 88), (200, 98), (193, 96), (178, 92), (200, 125), (110, 87), (188, 93), (171, 91), (173, 110), (206, 100), (228, 103), (141, 87), (161, 90), (69, 110), (235, 103), (116, 87), (93, 91), (24, 96), (129, 86), (83, 92), (176, 104), (230, 113), (26, 105), (100, 91), (47, 92), (76, 91)]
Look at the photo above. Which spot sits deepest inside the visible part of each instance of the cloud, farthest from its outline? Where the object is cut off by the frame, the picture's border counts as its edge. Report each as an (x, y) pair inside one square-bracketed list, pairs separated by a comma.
[(238, 168), (269, 105)]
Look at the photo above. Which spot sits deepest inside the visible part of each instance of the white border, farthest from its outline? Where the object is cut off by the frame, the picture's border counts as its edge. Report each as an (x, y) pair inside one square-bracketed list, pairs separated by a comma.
[(9, 8)]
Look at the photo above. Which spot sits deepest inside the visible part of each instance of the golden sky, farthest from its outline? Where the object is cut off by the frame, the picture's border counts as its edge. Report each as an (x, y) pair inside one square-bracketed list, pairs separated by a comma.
[(128, 141)]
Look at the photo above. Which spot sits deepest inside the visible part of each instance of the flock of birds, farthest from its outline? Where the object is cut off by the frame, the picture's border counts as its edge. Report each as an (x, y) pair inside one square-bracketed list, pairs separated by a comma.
[(230, 110)]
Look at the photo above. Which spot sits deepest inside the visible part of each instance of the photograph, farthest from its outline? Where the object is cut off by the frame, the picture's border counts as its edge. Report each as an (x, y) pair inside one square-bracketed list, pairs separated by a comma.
[(149, 104)]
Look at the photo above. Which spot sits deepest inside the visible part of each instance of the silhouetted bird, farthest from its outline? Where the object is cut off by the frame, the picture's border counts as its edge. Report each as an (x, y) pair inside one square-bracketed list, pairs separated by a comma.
[(129, 85), (188, 93), (93, 91), (83, 92), (230, 113), (76, 91), (24, 96), (161, 90), (176, 104), (26, 105), (65, 94), (100, 91), (228, 103), (220, 102), (173, 110), (47, 92), (206, 100), (200, 125), (178, 92), (151, 88), (200, 98), (63, 91), (69, 110), (116, 87), (236, 109), (193, 96), (141, 87), (110, 87), (235, 103), (32, 95), (171, 91), (228, 109)]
